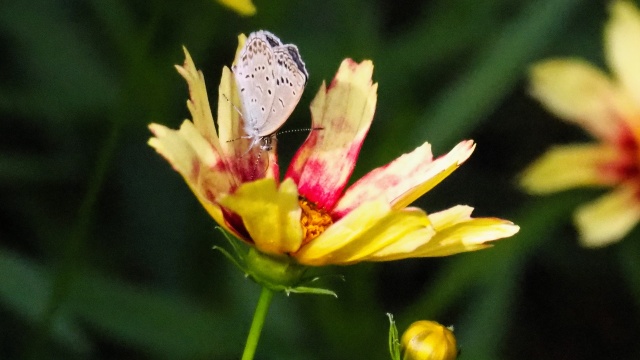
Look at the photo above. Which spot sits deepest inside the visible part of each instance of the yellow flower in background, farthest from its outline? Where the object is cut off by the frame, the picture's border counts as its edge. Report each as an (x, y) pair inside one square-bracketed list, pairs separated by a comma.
[(608, 107), (309, 217), (242, 7)]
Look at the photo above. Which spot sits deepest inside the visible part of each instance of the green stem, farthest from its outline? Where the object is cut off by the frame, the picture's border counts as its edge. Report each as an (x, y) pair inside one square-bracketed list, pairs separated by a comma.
[(266, 295)]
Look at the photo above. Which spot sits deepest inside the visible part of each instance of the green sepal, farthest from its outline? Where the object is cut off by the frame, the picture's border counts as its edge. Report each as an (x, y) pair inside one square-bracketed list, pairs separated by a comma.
[(278, 273), (394, 343)]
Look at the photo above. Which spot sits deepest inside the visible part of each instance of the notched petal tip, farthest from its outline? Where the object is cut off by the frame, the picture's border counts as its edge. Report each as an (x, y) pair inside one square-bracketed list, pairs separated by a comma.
[(406, 178), (188, 68), (352, 71), (438, 170), (457, 231), (157, 129)]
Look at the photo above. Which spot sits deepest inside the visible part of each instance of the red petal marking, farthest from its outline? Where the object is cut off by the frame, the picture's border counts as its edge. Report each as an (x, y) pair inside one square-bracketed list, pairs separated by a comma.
[(323, 182), (234, 222), (254, 165), (386, 181), (209, 195), (195, 169), (627, 165), (405, 178), (322, 166), (299, 159), (626, 139)]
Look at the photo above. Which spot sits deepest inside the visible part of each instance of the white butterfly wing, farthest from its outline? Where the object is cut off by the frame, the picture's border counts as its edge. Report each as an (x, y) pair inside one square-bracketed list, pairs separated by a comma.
[(290, 79), (256, 82)]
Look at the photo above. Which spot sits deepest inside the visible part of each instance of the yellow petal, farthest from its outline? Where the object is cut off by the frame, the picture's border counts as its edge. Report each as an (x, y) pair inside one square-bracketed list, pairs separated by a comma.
[(192, 156), (405, 179), (457, 231), (242, 38), (622, 42), (610, 218), (242, 7), (176, 149), (577, 92), (246, 165), (570, 166), (344, 110), (364, 231), (404, 244), (229, 113), (440, 169), (198, 103), (271, 215), (229, 123)]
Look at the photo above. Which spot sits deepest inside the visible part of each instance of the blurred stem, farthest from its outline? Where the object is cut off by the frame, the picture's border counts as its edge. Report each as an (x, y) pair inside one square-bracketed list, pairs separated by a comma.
[(266, 295)]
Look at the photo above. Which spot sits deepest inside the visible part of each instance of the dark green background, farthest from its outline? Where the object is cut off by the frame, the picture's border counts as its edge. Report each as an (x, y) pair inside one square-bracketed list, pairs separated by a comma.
[(105, 253)]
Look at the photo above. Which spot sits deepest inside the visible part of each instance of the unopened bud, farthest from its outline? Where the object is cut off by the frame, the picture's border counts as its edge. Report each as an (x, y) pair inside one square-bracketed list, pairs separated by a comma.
[(428, 340)]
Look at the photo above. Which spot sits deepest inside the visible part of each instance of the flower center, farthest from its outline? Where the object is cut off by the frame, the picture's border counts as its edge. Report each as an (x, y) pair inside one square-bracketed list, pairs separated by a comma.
[(314, 221)]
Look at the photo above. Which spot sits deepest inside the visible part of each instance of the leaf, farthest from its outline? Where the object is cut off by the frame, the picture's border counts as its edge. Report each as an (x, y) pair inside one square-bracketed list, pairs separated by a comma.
[(167, 325)]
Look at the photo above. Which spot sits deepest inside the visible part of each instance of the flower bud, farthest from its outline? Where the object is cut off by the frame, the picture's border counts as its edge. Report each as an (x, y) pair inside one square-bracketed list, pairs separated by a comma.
[(428, 340)]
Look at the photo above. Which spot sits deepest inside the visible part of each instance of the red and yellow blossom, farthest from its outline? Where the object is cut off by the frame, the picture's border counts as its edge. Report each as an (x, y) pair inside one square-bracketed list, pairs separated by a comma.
[(608, 107), (312, 217)]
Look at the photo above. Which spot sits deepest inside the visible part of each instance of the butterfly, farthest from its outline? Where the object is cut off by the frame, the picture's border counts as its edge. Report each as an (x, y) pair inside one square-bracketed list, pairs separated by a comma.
[(270, 77)]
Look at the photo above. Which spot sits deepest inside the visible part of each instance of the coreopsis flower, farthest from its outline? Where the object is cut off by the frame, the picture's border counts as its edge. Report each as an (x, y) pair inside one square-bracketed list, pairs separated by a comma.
[(608, 107), (428, 340), (309, 219)]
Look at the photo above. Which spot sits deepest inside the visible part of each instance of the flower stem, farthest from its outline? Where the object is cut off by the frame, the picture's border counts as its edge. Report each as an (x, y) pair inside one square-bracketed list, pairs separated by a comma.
[(266, 295)]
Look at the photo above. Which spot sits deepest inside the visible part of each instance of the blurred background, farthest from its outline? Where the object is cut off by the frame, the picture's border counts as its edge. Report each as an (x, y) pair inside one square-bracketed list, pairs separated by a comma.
[(106, 254)]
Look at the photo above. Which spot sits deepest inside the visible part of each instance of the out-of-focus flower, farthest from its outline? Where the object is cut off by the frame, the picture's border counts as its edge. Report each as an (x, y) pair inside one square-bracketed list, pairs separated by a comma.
[(609, 109), (428, 340), (309, 218), (242, 7)]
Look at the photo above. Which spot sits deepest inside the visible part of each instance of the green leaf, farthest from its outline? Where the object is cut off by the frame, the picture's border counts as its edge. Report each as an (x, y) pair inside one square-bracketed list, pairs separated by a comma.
[(167, 325), (25, 290), (64, 72)]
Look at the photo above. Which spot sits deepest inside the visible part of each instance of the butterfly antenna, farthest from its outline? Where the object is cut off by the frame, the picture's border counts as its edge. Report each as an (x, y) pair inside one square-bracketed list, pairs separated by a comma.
[(266, 167), (232, 104), (239, 113), (299, 130), (257, 164)]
